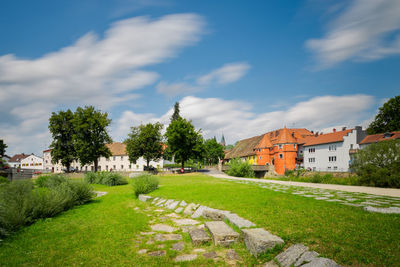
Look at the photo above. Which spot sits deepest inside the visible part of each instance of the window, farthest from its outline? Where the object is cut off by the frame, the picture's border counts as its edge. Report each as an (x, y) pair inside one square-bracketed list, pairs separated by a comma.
[(106, 167), (329, 168), (281, 156), (311, 150), (314, 168), (332, 148), (122, 167), (113, 158), (335, 167), (115, 167), (280, 146), (122, 157), (332, 158), (40, 164), (351, 146), (311, 160), (260, 157), (294, 146)]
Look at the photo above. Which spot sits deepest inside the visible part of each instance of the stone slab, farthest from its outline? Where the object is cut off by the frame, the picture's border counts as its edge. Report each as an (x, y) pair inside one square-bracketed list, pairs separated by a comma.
[(168, 202), (186, 257), (145, 198), (183, 204), (155, 200), (395, 210), (271, 264), (190, 209), (160, 202), (231, 255), (291, 255), (162, 228), (221, 233), (167, 237), (321, 262), (179, 210), (158, 253), (199, 211), (238, 221), (210, 255), (307, 257), (199, 236), (214, 214), (178, 246), (181, 222), (172, 205), (258, 240)]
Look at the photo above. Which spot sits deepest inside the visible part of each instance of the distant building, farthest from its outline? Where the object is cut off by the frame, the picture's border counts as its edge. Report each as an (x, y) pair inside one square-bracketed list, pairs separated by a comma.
[(374, 138), (223, 140), (15, 161), (118, 161), (32, 162), (332, 151)]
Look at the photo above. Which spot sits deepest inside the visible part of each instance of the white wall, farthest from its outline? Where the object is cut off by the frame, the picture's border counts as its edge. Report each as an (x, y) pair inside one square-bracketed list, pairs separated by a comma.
[(32, 162), (322, 155)]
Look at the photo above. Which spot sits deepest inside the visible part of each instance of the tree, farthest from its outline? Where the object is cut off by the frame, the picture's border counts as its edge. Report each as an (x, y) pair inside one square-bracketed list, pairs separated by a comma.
[(379, 164), (183, 141), (213, 151), (388, 117), (145, 141), (91, 135), (176, 115), (61, 126), (3, 147)]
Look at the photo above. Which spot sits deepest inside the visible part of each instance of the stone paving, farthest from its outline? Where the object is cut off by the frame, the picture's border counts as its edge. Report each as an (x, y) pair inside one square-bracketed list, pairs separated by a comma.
[(368, 202), (204, 233)]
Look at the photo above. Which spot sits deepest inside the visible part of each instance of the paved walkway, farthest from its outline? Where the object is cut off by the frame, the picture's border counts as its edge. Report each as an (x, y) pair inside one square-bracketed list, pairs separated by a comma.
[(392, 192)]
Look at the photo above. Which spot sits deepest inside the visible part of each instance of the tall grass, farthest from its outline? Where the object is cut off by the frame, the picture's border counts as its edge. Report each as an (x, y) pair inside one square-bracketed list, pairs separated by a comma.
[(144, 184), (106, 178)]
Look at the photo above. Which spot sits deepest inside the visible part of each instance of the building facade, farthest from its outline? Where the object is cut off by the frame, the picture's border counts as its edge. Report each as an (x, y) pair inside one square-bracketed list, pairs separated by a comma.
[(332, 151), (118, 161), (32, 162), (15, 161), (374, 138)]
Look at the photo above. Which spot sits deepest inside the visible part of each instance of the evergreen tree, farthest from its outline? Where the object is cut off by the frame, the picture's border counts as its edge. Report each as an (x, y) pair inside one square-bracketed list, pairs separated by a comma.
[(3, 147), (176, 114)]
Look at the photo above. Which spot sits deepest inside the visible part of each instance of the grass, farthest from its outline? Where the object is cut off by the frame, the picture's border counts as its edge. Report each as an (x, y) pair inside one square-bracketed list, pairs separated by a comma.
[(104, 231), (346, 234)]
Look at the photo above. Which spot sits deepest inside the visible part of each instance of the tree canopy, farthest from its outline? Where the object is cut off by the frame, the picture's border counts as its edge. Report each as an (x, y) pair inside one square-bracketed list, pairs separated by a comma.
[(213, 151), (388, 117), (3, 147), (176, 114), (62, 129), (183, 141), (91, 135), (379, 164), (145, 141)]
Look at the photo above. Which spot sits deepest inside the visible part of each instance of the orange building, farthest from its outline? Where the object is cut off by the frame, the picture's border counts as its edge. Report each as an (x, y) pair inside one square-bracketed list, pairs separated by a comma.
[(278, 148)]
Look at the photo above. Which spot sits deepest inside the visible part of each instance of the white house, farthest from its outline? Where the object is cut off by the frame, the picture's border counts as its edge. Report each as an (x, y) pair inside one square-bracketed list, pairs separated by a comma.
[(119, 161), (32, 162), (332, 151), (15, 161), (374, 138)]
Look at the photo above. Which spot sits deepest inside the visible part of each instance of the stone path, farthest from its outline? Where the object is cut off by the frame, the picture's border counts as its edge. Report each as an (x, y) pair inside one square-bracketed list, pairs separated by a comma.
[(205, 234), (382, 200)]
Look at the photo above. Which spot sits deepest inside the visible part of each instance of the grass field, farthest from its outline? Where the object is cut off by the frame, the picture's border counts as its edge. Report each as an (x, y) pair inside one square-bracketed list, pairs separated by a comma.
[(102, 233)]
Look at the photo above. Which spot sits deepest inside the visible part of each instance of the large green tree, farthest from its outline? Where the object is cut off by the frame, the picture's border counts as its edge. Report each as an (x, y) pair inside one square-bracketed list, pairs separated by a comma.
[(213, 151), (183, 141), (379, 164), (91, 135), (145, 141), (388, 117), (61, 126), (3, 147)]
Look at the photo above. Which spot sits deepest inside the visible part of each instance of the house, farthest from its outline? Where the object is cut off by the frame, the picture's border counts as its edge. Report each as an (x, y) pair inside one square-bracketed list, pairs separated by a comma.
[(32, 162), (332, 151), (118, 161), (278, 149), (374, 138), (15, 161)]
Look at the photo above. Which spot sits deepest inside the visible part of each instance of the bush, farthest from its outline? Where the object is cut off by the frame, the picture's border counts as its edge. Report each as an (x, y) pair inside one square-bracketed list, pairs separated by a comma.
[(240, 168), (22, 204), (52, 180), (289, 173), (4, 180), (106, 178), (144, 184)]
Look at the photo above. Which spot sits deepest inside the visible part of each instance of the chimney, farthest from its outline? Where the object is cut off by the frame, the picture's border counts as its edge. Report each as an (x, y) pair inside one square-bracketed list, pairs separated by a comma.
[(316, 134), (334, 130), (312, 132)]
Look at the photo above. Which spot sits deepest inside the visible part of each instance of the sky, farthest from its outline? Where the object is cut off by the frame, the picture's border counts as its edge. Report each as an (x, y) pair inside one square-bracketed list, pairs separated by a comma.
[(238, 68)]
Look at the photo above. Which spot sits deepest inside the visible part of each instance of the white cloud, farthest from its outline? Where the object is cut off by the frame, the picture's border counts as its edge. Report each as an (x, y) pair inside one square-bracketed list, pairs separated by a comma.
[(226, 74), (237, 120), (96, 71), (365, 30)]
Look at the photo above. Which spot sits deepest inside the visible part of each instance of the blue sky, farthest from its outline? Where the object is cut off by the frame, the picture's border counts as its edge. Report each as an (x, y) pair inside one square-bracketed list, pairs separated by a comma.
[(237, 68)]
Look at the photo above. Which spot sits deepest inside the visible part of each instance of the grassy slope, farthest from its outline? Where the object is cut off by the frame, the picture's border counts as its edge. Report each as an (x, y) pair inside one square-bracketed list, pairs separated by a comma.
[(349, 235)]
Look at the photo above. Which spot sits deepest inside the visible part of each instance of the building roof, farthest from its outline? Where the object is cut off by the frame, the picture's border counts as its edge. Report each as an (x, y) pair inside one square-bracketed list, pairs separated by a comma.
[(117, 149), (244, 148), (380, 137), (326, 138), (284, 136), (18, 157), (47, 150)]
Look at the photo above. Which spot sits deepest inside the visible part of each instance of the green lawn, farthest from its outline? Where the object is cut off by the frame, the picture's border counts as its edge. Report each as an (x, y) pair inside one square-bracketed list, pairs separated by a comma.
[(104, 232), (346, 234)]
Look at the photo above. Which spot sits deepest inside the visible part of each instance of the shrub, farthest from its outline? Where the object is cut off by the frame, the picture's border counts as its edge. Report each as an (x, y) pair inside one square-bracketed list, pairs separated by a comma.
[(4, 180), (240, 168), (289, 173), (52, 180), (106, 178), (316, 178), (144, 184)]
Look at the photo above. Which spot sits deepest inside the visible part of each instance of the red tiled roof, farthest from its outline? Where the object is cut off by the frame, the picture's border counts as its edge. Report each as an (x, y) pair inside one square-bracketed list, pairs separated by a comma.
[(379, 137), (326, 138), (284, 136), (47, 150), (18, 157)]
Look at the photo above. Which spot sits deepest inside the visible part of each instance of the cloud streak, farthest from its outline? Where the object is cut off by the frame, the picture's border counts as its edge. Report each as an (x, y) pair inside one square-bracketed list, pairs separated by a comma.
[(366, 30)]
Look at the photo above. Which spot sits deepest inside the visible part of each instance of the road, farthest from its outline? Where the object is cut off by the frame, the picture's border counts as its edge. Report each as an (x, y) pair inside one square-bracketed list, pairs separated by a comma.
[(392, 192)]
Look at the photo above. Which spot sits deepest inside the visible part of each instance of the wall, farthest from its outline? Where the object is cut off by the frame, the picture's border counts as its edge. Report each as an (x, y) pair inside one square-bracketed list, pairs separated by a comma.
[(32, 162)]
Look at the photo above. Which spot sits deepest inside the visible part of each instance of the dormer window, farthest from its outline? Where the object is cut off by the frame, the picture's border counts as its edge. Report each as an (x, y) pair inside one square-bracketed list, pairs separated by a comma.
[(387, 135), (280, 146)]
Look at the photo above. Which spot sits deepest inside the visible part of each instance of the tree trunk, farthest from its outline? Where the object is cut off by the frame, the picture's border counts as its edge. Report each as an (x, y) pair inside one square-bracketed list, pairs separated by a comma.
[(183, 164), (95, 165), (148, 164), (68, 167)]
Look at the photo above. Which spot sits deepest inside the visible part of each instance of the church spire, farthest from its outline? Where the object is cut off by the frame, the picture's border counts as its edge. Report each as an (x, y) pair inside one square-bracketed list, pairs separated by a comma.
[(222, 140)]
